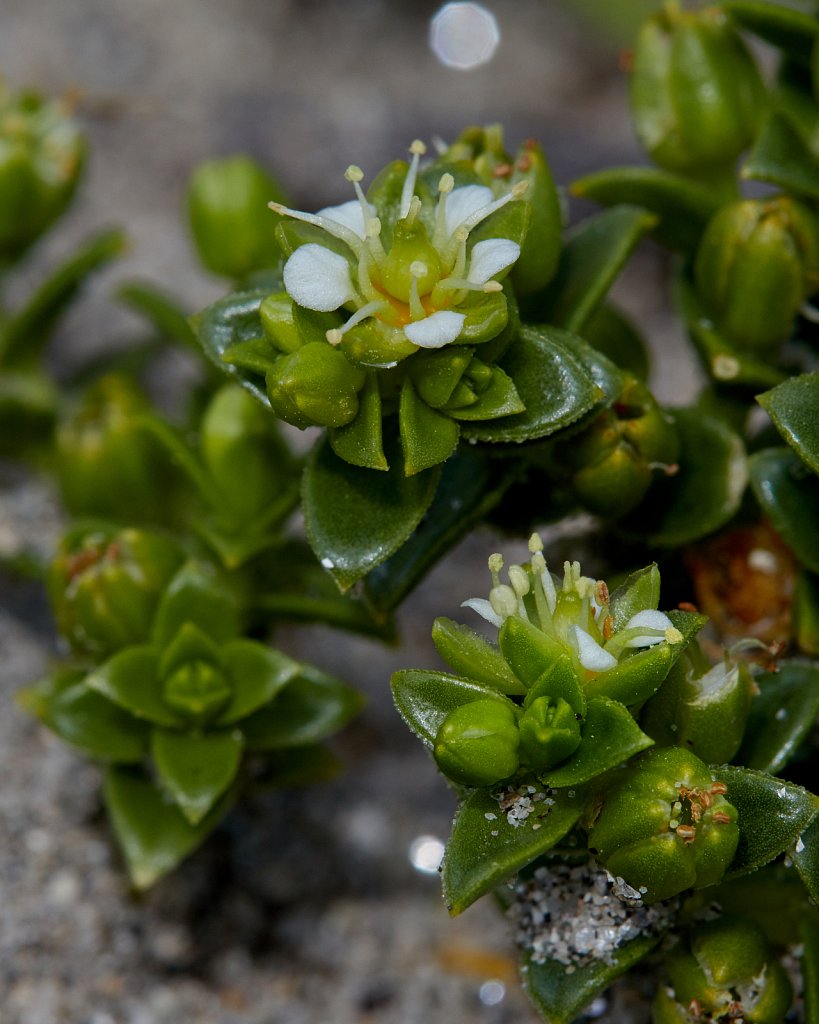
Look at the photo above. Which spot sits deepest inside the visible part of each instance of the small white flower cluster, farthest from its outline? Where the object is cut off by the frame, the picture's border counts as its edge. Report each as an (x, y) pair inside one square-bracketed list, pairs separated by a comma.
[(579, 914)]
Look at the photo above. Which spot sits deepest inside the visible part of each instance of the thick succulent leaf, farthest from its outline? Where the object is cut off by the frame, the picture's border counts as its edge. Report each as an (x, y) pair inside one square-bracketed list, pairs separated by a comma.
[(594, 254), (152, 832), (789, 495), (474, 656), (257, 673), (703, 495), (640, 591), (424, 698), (640, 675), (23, 335), (552, 382), (360, 443), (476, 860), (614, 334), (782, 714), (232, 321), (196, 595), (794, 408), (131, 680), (722, 361), (610, 737), (196, 768), (311, 707), (501, 398), (606, 375), (805, 856), (560, 996), (772, 815), (790, 30), (86, 719), (467, 491), (356, 518), (780, 157), (428, 437), (682, 207)]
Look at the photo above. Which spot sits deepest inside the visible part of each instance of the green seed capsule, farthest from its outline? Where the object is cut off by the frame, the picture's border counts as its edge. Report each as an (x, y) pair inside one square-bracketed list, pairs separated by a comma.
[(724, 968), (477, 744), (757, 263), (233, 230), (666, 825), (696, 93), (105, 585), (41, 159), (315, 386)]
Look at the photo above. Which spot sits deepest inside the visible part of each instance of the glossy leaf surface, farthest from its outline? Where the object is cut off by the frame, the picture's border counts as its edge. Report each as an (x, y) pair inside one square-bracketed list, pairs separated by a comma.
[(474, 656), (789, 495), (131, 680), (231, 321), (794, 408), (782, 714), (805, 856), (791, 30), (196, 768), (425, 698)]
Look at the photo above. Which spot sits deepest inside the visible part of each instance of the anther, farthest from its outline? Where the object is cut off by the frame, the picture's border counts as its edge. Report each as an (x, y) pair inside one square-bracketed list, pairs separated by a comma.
[(354, 173), (418, 268), (417, 148), (519, 580), (504, 601), (535, 543), (719, 789), (519, 189), (334, 336), (673, 635), (446, 184), (538, 562), (720, 818), (492, 286)]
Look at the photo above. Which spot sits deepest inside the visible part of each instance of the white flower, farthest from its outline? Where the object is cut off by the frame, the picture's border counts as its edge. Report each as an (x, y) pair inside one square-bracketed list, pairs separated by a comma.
[(441, 268)]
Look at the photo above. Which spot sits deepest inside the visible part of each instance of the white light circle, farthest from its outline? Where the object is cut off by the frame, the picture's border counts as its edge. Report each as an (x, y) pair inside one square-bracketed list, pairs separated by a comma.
[(464, 35), (492, 992), (426, 854)]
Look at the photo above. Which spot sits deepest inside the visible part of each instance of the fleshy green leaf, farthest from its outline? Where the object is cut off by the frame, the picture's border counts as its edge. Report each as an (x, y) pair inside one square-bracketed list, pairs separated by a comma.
[(428, 437), (356, 518), (703, 495), (552, 382), (805, 856), (639, 675), (257, 674), (640, 591), (467, 491), (682, 207), (24, 335), (228, 322), (360, 442), (153, 834), (613, 334), (501, 398), (789, 495), (560, 996), (196, 768), (790, 30), (196, 595), (794, 408), (610, 737), (312, 706), (781, 158), (474, 656), (594, 254), (476, 860), (424, 698), (131, 680), (772, 815), (86, 720), (782, 715)]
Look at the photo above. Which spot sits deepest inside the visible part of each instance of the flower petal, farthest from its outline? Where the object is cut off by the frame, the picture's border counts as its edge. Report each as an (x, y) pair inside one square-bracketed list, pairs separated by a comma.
[(436, 330), (484, 609), (648, 619), (490, 257), (318, 278), (349, 214), (462, 203), (592, 656)]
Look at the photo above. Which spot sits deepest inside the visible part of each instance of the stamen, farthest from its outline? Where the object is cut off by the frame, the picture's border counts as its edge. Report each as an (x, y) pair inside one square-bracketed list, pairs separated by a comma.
[(445, 186), (407, 192), (365, 283), (536, 544), (495, 566), (538, 564), (461, 284), (330, 226), (335, 335), (414, 210), (355, 175), (521, 586), (372, 226), (516, 192), (417, 311)]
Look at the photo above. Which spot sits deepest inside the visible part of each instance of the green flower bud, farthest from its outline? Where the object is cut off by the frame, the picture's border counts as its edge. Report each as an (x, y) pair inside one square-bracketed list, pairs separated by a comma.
[(243, 451), (549, 732), (41, 157), (315, 385), (197, 689), (233, 230), (757, 263), (666, 825), (412, 257), (108, 465), (704, 711), (696, 93), (104, 586), (477, 743), (724, 970)]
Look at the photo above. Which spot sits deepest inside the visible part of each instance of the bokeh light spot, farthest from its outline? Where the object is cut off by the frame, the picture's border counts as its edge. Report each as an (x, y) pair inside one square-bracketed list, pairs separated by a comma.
[(464, 35), (426, 853)]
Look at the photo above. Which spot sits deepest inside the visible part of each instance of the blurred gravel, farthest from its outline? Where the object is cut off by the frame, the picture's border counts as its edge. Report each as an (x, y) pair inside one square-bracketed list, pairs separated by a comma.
[(304, 908)]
